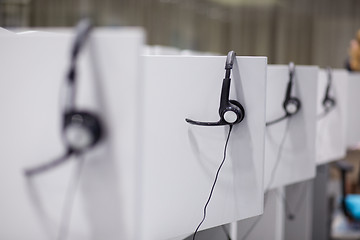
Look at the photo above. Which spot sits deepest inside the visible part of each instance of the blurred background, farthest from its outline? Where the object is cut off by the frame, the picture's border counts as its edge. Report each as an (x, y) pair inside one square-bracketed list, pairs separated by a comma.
[(311, 32)]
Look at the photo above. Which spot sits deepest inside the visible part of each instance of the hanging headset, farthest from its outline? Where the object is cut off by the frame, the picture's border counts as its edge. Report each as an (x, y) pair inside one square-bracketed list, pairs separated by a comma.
[(328, 101), (230, 111), (81, 130), (291, 104)]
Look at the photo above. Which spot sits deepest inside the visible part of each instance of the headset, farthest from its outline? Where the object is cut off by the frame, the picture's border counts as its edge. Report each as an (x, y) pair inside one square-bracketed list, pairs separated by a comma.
[(328, 102), (81, 130), (230, 111), (291, 104)]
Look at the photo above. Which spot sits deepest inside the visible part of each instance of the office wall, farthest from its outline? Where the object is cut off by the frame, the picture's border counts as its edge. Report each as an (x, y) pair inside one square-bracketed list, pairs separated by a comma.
[(304, 31)]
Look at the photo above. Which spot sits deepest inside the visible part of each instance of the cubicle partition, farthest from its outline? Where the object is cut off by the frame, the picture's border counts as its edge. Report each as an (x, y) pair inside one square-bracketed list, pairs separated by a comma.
[(180, 160), (290, 147), (331, 115), (32, 86), (353, 113), (4, 31)]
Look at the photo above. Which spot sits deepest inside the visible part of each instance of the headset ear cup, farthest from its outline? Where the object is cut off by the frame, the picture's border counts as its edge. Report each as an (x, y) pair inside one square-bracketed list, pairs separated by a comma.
[(240, 111), (328, 103), (292, 106), (81, 130)]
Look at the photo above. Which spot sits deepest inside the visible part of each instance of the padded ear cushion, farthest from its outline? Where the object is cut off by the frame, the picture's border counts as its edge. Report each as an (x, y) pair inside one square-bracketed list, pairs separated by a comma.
[(81, 130), (240, 110), (328, 103), (292, 106)]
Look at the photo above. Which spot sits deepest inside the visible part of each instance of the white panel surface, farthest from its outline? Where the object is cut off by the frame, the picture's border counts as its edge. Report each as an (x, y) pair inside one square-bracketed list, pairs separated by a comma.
[(32, 75), (270, 225), (353, 119), (5, 31), (295, 160), (180, 160), (331, 128)]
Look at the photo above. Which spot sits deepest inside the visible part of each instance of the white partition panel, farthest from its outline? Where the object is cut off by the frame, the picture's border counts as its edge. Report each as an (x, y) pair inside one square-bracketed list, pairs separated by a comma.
[(180, 160), (32, 76), (331, 128), (5, 31), (269, 225), (353, 119), (294, 160)]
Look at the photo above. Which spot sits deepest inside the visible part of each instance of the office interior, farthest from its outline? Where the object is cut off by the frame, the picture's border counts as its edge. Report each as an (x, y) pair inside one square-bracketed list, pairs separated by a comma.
[(180, 119)]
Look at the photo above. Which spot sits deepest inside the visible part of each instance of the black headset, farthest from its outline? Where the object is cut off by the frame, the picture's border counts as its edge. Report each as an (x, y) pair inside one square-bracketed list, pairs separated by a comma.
[(328, 102), (230, 111), (291, 104), (81, 130)]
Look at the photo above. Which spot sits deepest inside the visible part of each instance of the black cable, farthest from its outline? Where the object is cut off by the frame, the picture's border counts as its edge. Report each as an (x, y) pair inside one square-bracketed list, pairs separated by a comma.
[(280, 151), (272, 176), (251, 228), (45, 166), (226, 232), (325, 113), (302, 194), (322, 115), (215, 180), (69, 201), (287, 208), (256, 221), (289, 214), (277, 120)]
